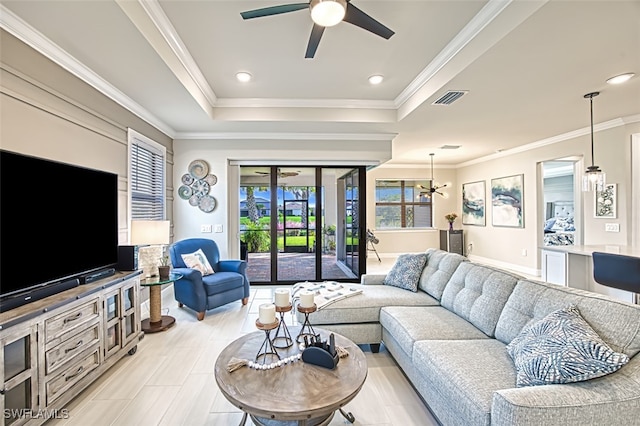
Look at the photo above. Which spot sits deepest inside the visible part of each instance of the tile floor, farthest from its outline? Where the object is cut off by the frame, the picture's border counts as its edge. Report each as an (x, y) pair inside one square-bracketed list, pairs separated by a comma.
[(169, 381)]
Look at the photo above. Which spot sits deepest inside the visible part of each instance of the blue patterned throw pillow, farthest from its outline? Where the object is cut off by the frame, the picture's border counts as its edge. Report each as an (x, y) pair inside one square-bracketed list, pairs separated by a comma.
[(562, 348), (406, 272)]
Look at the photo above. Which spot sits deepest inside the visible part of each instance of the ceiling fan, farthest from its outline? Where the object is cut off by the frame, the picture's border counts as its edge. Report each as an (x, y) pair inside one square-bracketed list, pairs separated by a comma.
[(433, 188), (280, 174), (325, 13)]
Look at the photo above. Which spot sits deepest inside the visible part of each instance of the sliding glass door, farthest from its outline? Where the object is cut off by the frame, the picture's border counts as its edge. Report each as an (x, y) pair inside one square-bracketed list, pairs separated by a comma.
[(294, 223)]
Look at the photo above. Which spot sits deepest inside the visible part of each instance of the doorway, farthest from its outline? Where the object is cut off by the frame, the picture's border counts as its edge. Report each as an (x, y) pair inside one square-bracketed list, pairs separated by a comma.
[(560, 211), (297, 223)]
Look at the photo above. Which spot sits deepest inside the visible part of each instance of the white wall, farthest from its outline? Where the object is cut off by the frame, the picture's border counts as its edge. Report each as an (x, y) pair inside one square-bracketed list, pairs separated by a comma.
[(224, 158)]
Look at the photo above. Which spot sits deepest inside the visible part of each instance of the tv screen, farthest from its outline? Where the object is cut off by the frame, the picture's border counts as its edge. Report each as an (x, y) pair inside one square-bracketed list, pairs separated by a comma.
[(57, 221)]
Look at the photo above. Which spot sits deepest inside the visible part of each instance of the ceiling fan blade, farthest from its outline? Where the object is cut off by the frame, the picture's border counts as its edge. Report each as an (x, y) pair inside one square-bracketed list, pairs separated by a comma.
[(314, 40), (274, 10), (360, 19)]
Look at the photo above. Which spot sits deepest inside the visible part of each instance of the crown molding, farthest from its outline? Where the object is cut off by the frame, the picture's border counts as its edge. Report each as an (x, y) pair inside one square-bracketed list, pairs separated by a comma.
[(287, 136), (304, 103), (30, 36)]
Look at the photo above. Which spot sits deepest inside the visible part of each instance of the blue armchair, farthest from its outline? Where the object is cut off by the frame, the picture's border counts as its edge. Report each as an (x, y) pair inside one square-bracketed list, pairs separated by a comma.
[(201, 293)]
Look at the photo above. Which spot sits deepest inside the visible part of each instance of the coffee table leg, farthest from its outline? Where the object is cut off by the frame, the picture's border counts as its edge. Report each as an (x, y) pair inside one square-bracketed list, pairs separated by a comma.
[(350, 417), (244, 419)]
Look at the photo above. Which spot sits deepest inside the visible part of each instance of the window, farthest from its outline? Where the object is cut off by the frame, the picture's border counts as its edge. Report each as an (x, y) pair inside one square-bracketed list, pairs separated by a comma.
[(402, 204), (147, 168)]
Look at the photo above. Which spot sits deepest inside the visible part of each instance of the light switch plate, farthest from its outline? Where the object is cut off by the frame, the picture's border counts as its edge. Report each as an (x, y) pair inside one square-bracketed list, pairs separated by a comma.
[(612, 227), (205, 228), (217, 228)]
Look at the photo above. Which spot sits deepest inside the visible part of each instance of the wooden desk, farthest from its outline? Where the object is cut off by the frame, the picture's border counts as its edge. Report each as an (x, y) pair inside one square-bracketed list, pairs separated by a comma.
[(573, 266), (297, 393)]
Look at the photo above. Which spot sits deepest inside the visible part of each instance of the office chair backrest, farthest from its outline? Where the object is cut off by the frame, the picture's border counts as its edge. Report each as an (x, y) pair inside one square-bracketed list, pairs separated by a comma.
[(617, 271)]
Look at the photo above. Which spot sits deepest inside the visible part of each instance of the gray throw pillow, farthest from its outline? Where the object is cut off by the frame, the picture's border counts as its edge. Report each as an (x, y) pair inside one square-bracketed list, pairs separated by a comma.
[(562, 348), (406, 272)]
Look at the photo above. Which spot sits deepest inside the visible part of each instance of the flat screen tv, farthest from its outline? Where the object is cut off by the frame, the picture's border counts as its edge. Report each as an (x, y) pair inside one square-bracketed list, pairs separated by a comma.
[(57, 223)]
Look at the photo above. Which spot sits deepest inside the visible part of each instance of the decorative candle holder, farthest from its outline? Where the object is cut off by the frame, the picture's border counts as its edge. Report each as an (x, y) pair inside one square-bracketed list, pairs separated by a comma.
[(267, 347), (307, 329), (282, 333)]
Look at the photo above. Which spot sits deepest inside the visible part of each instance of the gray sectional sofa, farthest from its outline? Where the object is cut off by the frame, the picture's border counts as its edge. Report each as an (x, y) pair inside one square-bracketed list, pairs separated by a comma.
[(451, 339)]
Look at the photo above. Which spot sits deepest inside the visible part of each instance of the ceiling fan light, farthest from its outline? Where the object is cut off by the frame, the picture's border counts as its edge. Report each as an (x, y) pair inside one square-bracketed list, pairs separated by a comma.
[(618, 79), (327, 13)]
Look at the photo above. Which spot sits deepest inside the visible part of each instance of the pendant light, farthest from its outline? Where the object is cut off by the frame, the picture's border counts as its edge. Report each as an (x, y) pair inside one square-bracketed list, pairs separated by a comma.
[(432, 188), (594, 178)]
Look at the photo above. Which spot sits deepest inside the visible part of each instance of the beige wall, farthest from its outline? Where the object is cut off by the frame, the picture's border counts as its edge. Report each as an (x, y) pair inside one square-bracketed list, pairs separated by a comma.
[(48, 113), (506, 245)]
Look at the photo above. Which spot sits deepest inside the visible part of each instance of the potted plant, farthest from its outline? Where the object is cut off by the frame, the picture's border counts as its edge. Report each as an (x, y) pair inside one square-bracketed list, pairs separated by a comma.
[(451, 217), (164, 267)]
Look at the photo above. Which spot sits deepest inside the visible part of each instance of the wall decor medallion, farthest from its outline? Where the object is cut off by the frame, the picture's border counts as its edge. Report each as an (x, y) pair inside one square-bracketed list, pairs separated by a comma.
[(199, 169), (507, 194), (185, 192), (207, 203), (196, 185), (605, 202), (473, 203)]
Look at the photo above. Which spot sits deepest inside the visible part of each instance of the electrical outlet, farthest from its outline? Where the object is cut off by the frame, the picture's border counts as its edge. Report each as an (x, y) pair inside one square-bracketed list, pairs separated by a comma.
[(524, 252), (205, 228), (217, 228), (612, 227)]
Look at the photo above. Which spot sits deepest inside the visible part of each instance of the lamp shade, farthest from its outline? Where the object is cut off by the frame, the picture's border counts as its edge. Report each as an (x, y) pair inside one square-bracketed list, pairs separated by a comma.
[(147, 232)]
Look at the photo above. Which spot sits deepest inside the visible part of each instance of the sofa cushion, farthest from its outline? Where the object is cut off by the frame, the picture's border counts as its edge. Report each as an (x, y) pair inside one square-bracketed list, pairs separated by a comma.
[(406, 271), (438, 270), (616, 322), (408, 324), (365, 307), (478, 294), (459, 377), (562, 348)]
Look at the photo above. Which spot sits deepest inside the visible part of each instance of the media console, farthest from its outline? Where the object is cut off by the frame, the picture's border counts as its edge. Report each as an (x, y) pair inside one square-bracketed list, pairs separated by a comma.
[(53, 348)]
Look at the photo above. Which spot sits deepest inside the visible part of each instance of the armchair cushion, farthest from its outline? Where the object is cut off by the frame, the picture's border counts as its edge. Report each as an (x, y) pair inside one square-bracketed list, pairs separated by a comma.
[(197, 260)]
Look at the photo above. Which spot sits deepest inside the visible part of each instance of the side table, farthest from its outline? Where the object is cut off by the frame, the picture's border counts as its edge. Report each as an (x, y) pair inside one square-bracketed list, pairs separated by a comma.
[(157, 321)]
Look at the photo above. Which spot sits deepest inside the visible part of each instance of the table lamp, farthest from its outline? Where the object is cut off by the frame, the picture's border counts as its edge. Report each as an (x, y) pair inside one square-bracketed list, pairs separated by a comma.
[(152, 236)]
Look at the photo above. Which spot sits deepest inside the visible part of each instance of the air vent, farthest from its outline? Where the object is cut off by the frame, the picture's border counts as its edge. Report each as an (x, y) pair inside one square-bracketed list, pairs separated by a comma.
[(450, 146), (450, 97)]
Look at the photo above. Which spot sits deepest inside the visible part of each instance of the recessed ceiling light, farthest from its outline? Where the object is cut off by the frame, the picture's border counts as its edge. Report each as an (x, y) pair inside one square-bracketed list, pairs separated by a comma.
[(376, 79), (620, 78), (243, 76)]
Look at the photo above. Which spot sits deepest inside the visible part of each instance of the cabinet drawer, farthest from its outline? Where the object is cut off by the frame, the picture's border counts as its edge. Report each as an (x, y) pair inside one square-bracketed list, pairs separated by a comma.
[(57, 386), (70, 348), (56, 326)]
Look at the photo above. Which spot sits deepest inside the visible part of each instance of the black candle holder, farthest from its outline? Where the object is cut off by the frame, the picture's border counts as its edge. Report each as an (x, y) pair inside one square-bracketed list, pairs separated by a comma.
[(282, 338), (267, 347), (307, 329)]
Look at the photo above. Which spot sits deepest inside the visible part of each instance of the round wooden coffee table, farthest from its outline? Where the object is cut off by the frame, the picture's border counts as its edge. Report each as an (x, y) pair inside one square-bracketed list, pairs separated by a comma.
[(296, 393)]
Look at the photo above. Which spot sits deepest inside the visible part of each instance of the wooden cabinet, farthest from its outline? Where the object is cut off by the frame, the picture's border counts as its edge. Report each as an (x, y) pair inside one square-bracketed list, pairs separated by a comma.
[(452, 240), (18, 374), (52, 349)]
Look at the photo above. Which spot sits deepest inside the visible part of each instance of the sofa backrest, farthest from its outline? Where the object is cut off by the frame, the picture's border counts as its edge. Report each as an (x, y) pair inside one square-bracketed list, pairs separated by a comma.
[(438, 270), (478, 294), (616, 322)]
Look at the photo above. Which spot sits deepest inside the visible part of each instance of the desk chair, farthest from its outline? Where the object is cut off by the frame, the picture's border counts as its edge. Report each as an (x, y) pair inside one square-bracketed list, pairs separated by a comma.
[(618, 271)]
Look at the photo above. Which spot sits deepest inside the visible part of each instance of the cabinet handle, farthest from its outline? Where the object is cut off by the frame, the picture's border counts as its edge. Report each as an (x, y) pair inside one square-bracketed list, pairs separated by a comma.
[(71, 376), (73, 318), (66, 351)]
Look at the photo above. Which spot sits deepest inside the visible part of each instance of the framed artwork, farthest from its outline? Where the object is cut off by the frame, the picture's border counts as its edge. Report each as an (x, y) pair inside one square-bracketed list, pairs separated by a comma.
[(605, 202), (473, 203), (507, 195)]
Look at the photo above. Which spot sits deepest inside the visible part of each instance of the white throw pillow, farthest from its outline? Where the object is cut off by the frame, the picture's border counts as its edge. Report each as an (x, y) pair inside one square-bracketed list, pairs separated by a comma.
[(197, 260)]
